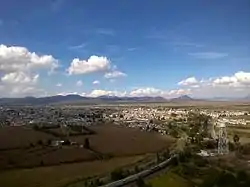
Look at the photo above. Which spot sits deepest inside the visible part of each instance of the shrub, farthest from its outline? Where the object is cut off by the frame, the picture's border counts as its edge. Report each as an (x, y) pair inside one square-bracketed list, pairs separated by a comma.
[(116, 175), (40, 142)]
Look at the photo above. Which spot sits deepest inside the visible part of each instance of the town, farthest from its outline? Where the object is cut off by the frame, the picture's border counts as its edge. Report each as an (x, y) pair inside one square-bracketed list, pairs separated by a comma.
[(55, 136)]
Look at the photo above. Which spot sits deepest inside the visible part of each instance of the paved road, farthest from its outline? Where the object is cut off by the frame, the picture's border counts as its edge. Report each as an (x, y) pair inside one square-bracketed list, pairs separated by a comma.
[(133, 178)]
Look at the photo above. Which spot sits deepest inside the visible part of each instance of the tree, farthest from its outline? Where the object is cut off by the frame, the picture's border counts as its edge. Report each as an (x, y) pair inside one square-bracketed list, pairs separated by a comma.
[(136, 169), (158, 159), (42, 163), (86, 143), (98, 182), (117, 174), (40, 142), (236, 139), (49, 141)]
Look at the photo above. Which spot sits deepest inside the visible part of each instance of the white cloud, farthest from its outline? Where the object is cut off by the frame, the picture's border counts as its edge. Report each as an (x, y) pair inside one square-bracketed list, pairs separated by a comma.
[(97, 93), (67, 93), (189, 81), (19, 78), (20, 69), (239, 79), (208, 55), (114, 74), (236, 85), (96, 82), (16, 58), (93, 64), (79, 83), (149, 91), (139, 92), (177, 92), (76, 47), (59, 84)]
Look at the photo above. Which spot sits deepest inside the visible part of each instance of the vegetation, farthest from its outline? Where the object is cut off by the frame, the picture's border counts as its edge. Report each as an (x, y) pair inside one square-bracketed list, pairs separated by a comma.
[(169, 179), (86, 143), (140, 183)]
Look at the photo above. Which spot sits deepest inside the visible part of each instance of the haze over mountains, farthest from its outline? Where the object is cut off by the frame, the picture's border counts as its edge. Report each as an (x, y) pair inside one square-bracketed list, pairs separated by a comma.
[(59, 99), (81, 99)]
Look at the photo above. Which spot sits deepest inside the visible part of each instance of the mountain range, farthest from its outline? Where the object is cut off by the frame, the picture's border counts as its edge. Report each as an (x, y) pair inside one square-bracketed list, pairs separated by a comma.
[(59, 99), (77, 99)]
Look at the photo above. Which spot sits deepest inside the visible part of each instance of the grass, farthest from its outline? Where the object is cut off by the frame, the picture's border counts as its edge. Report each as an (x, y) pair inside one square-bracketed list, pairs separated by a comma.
[(169, 179), (59, 176)]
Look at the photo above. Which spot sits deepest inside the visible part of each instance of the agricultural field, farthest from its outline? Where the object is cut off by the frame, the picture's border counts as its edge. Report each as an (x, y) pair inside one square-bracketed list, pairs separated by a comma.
[(61, 175), (25, 154), (19, 137), (43, 156), (242, 131), (120, 141)]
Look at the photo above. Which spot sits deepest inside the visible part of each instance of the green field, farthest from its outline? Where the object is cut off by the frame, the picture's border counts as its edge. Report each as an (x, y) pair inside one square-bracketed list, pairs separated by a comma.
[(169, 179)]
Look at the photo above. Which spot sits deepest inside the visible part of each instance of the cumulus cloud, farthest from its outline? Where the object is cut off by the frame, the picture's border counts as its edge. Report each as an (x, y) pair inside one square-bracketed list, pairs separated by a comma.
[(79, 83), (154, 92), (189, 81), (236, 85), (16, 58), (97, 93), (93, 64), (114, 74), (96, 82), (149, 91), (19, 78), (68, 93), (239, 79), (177, 92), (20, 69)]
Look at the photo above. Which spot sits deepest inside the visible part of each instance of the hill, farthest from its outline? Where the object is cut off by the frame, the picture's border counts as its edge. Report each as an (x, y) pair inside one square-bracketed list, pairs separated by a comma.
[(182, 98), (59, 99)]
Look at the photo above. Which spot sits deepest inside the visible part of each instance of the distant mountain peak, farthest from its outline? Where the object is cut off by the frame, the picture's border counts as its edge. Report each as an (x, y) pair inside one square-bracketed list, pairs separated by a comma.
[(183, 98)]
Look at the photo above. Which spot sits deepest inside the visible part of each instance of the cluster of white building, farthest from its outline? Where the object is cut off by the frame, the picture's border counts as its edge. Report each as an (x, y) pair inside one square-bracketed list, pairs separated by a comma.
[(141, 116)]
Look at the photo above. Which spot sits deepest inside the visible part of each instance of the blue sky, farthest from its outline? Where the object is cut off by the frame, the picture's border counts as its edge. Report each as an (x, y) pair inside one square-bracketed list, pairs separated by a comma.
[(167, 48)]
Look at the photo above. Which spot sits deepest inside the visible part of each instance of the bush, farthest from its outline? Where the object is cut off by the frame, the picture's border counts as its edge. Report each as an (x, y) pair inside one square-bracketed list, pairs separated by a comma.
[(136, 169), (242, 176), (201, 162), (41, 163), (227, 179), (97, 182), (86, 143), (116, 175), (40, 142)]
